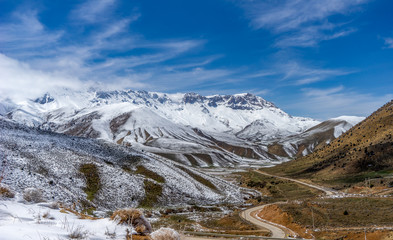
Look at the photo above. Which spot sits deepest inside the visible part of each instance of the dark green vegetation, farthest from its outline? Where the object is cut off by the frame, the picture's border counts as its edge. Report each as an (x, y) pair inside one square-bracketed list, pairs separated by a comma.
[(152, 192), (149, 174), (364, 151), (90, 171), (276, 189), (198, 178)]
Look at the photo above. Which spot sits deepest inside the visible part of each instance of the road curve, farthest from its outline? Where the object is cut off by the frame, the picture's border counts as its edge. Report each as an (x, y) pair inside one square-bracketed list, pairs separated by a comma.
[(250, 216), (327, 191)]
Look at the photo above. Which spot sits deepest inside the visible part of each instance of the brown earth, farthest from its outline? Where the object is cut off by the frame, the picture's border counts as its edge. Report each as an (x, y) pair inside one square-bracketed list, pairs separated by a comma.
[(366, 150), (274, 214)]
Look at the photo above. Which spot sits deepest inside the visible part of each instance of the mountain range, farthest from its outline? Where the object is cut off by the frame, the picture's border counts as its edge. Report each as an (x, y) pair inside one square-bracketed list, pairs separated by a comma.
[(202, 131)]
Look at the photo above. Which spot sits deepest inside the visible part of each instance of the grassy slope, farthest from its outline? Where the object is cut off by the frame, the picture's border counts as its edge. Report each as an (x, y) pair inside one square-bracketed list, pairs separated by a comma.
[(364, 151)]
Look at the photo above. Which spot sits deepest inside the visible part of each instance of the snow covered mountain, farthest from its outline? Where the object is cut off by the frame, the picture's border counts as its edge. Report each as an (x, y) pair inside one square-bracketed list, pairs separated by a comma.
[(188, 128), (314, 138)]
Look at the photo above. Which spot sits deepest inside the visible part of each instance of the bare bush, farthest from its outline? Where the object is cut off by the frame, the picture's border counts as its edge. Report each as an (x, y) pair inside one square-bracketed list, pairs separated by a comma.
[(133, 218), (78, 233), (6, 192), (33, 195), (165, 234), (126, 216)]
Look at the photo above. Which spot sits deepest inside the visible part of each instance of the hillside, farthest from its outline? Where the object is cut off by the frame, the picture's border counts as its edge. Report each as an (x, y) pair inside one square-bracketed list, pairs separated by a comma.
[(102, 175), (366, 150), (314, 138)]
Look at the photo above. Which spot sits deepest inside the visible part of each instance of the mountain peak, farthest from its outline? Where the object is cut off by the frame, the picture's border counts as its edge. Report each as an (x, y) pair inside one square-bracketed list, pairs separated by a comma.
[(192, 98), (46, 98)]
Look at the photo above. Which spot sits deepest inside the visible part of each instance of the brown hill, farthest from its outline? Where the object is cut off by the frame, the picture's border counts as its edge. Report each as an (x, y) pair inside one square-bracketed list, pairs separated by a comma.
[(366, 150)]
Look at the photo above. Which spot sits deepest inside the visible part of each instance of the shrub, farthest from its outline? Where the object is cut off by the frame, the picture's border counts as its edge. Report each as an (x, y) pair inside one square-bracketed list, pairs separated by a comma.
[(33, 195), (126, 216), (132, 217), (165, 234), (5, 192)]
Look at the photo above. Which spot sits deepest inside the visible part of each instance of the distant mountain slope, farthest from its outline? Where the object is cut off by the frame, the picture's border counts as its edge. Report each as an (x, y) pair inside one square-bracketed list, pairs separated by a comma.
[(62, 166), (363, 151), (188, 128), (314, 138)]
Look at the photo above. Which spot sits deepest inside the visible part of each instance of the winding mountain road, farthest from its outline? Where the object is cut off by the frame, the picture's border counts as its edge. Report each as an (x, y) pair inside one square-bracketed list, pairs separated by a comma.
[(278, 231), (250, 215)]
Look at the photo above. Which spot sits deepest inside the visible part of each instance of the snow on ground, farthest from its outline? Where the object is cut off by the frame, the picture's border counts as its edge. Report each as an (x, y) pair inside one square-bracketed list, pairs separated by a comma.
[(50, 162), (23, 221)]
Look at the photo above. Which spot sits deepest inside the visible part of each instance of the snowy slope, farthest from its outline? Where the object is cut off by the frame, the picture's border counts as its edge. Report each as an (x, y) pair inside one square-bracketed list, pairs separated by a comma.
[(182, 125), (315, 137), (50, 162)]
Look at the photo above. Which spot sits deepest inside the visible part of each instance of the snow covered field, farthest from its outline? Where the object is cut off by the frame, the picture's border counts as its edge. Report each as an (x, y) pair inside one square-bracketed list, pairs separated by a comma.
[(40, 221)]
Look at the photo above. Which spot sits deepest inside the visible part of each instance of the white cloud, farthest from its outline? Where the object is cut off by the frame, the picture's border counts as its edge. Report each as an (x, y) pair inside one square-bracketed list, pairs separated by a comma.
[(389, 42), (299, 74), (19, 81), (301, 23), (337, 101), (25, 32), (93, 11), (26, 38)]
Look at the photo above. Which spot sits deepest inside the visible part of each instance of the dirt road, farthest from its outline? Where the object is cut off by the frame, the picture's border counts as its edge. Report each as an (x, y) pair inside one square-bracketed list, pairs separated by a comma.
[(328, 191)]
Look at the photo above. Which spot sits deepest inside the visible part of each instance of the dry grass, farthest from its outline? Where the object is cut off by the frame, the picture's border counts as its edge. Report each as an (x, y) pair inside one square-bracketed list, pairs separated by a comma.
[(133, 218), (274, 214), (230, 222), (364, 150), (358, 234), (344, 212), (80, 215), (126, 216), (276, 189), (5, 192), (32, 195)]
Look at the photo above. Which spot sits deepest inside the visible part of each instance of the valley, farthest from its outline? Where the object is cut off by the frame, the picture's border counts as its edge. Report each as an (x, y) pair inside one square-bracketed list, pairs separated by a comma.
[(251, 172)]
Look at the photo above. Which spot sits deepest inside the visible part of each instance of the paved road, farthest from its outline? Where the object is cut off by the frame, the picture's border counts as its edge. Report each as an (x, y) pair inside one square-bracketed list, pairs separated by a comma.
[(250, 216), (328, 191), (276, 230)]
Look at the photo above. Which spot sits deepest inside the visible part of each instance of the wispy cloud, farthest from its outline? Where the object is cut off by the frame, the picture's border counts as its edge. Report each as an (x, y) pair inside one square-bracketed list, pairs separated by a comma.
[(301, 23), (296, 73), (93, 11), (337, 101), (25, 33), (47, 55), (388, 42)]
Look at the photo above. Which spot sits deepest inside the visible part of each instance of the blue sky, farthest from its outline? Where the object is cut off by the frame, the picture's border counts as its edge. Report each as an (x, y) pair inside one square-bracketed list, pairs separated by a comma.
[(311, 58)]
